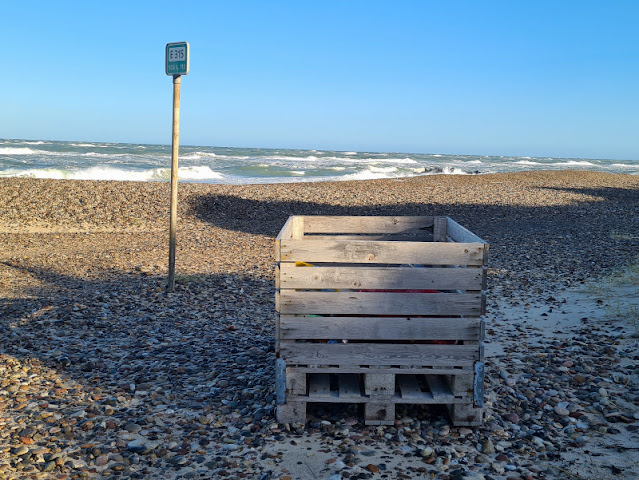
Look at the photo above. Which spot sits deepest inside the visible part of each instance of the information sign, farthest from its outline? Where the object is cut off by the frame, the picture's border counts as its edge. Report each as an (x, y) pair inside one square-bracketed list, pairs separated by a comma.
[(177, 58)]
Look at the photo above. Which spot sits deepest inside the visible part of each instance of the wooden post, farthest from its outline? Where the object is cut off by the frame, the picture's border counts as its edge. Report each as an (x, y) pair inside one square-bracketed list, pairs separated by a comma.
[(175, 143)]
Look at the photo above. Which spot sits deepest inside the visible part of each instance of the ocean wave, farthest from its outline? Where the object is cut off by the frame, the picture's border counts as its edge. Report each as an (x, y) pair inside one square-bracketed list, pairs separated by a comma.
[(82, 144), (118, 174), (196, 155), (526, 162), (17, 151), (581, 163), (39, 142), (624, 165), (374, 173)]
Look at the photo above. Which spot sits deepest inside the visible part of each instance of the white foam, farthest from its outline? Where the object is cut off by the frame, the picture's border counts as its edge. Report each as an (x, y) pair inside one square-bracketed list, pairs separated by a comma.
[(16, 151), (526, 162), (575, 163), (624, 165), (110, 173), (82, 144), (298, 172), (198, 173)]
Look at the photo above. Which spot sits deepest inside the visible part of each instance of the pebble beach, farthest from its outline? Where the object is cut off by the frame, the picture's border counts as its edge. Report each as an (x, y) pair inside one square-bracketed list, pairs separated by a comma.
[(104, 374)]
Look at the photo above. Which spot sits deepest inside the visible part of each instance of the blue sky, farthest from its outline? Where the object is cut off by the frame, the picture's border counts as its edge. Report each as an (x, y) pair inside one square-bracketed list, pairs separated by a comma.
[(538, 78)]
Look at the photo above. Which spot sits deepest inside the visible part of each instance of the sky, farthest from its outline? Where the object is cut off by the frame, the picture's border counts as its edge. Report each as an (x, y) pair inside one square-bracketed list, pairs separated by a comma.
[(524, 78)]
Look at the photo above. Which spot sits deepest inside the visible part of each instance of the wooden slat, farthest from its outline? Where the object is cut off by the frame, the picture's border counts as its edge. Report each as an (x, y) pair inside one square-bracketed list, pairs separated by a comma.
[(285, 232), (437, 386), (461, 234), (418, 237), (379, 384), (378, 353), (440, 229), (360, 251), (378, 328), (379, 278), (319, 385), (399, 370), (378, 303), (349, 385), (297, 230), (409, 386), (365, 224)]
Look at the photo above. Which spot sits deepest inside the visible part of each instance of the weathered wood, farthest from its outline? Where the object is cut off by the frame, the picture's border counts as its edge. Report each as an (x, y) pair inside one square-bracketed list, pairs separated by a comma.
[(285, 232), (379, 278), (297, 228), (399, 370), (461, 234), (365, 224), (463, 414), (440, 229), (461, 385), (296, 382), (349, 386), (378, 328), (438, 387), (378, 303), (292, 412), (319, 385), (379, 413), (360, 251), (378, 353), (409, 387), (399, 237), (364, 288), (379, 384)]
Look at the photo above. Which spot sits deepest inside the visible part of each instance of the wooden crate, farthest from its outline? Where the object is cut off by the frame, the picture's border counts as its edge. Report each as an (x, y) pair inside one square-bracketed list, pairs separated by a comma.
[(380, 311)]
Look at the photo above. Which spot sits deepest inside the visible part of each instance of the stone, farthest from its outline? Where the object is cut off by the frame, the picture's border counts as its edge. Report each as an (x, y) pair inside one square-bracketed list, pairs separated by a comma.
[(488, 447)]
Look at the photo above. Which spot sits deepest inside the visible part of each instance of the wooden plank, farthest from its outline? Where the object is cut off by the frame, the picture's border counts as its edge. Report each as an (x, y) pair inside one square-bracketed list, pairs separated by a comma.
[(287, 229), (379, 384), (399, 370), (369, 252), (461, 234), (461, 385), (285, 232), (297, 229), (292, 412), (379, 278), (440, 229), (349, 385), (408, 237), (358, 354), (466, 415), (292, 302), (365, 224), (437, 386), (378, 328), (379, 413), (409, 386), (319, 385), (295, 382)]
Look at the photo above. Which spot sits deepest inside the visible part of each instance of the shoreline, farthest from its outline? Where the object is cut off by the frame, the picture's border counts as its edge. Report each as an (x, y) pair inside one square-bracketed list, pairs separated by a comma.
[(104, 374)]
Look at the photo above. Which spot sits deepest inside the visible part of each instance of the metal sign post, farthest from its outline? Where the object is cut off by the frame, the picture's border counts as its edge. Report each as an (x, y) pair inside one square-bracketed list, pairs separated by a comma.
[(177, 64)]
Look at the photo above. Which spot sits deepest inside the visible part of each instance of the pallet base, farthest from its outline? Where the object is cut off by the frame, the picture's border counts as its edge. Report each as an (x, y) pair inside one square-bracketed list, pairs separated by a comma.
[(380, 393)]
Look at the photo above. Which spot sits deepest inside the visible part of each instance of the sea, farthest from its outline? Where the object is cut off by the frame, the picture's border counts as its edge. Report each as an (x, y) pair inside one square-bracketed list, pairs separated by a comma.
[(79, 160)]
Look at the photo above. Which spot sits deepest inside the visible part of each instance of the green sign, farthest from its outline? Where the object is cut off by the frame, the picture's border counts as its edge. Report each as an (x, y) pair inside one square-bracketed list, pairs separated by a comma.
[(177, 58)]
